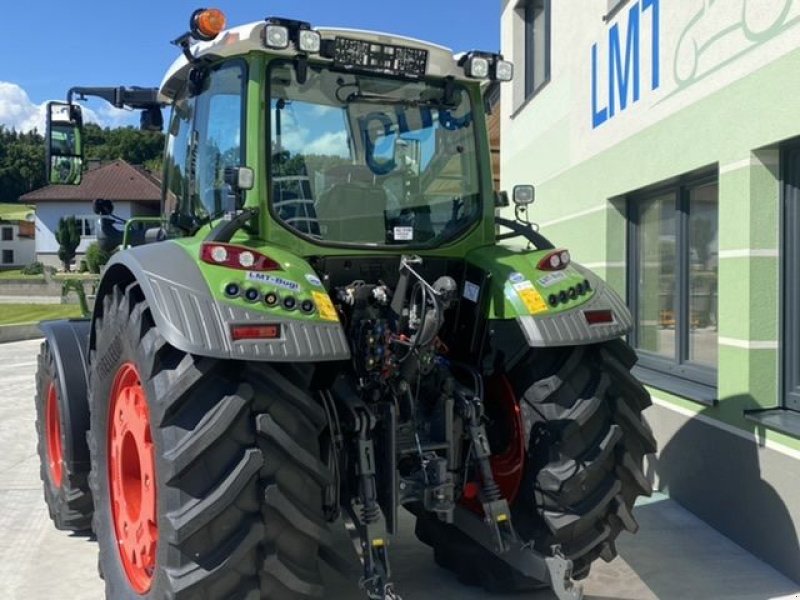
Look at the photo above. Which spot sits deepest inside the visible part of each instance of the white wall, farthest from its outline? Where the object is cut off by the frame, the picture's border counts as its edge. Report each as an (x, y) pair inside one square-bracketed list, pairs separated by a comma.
[(48, 214), (24, 248), (696, 46)]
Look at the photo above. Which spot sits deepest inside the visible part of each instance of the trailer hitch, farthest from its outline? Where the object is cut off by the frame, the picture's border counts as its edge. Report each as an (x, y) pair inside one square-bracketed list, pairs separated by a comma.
[(554, 570), (362, 514), (495, 531)]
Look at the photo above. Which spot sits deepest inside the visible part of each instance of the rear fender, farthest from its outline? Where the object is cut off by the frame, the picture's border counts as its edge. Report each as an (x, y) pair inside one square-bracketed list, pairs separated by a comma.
[(191, 319), (508, 284), (69, 345)]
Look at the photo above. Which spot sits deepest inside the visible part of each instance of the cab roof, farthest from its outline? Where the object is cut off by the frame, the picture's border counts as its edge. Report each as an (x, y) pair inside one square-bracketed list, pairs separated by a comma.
[(241, 40)]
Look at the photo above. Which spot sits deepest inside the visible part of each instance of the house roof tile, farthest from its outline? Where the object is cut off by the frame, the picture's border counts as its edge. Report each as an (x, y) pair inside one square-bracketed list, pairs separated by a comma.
[(117, 181)]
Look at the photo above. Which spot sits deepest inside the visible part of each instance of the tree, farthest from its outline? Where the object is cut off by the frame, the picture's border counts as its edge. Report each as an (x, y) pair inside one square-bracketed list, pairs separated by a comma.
[(68, 237), (96, 257)]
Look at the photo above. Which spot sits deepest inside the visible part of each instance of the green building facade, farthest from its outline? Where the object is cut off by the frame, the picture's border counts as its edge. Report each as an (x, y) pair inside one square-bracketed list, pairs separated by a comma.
[(663, 139)]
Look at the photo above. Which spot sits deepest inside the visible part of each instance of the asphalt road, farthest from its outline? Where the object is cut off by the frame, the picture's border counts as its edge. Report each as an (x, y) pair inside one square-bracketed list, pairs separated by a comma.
[(674, 555)]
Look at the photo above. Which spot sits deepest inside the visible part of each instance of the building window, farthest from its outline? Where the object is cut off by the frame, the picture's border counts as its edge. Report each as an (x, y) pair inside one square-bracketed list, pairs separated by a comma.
[(8, 234), (791, 279), (8, 257), (673, 260), (537, 45), (87, 225)]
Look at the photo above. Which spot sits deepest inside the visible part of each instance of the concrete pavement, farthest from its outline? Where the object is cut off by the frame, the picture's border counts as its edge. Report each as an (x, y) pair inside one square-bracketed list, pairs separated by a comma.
[(675, 556)]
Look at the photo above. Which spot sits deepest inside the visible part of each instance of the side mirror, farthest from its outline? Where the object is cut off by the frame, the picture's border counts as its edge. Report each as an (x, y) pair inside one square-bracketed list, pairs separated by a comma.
[(151, 119), (408, 154), (63, 143), (239, 180), (523, 195)]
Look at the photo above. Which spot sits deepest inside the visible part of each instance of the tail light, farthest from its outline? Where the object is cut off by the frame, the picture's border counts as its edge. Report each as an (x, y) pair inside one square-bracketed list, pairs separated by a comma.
[(555, 261), (598, 317), (236, 257)]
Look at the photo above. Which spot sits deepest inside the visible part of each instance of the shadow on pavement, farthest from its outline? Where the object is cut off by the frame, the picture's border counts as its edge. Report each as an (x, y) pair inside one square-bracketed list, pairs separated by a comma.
[(678, 554)]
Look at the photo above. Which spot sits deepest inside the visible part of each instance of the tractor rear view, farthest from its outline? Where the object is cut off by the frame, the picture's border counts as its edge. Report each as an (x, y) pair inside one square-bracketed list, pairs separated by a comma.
[(326, 325)]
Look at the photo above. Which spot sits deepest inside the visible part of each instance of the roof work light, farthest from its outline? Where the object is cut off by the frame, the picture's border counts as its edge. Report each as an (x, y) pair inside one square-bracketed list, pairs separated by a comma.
[(279, 32), (485, 65)]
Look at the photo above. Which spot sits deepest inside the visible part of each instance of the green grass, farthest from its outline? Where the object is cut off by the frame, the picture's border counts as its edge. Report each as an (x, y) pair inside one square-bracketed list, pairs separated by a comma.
[(17, 274), (18, 314)]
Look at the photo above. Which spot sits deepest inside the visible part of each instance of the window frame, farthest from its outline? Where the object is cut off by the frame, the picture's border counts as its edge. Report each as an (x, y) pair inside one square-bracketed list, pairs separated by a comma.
[(175, 211), (679, 374), (612, 8), (529, 88), (7, 230), (790, 263), (7, 252)]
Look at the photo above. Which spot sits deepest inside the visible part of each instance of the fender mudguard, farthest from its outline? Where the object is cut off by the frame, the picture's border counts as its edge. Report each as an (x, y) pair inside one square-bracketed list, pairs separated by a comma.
[(572, 328), (191, 319), (69, 345)]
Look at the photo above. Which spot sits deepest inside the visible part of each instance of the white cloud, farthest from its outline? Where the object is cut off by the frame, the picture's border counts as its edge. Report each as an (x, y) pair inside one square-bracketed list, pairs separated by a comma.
[(331, 144), (18, 111), (299, 139)]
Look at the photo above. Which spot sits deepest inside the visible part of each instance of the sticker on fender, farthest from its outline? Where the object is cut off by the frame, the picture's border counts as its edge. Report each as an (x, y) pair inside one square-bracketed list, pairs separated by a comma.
[(286, 284), (533, 301), (325, 306)]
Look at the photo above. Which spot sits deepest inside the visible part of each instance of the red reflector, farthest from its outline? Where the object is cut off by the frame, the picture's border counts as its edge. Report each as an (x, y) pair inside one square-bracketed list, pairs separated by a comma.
[(598, 317), (256, 332)]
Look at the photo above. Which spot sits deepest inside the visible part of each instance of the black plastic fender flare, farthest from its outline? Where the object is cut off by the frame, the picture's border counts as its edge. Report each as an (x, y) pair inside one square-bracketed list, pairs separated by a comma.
[(69, 344)]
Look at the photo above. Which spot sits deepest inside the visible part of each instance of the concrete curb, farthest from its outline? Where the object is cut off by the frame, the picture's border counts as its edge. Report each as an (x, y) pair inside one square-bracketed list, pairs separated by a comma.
[(16, 333)]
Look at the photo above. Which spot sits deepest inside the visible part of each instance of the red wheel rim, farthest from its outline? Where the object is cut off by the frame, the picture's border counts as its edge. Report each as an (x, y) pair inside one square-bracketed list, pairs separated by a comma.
[(508, 465), (131, 476), (55, 452)]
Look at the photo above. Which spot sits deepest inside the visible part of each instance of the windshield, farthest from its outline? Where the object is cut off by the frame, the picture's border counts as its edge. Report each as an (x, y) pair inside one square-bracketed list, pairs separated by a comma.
[(366, 160)]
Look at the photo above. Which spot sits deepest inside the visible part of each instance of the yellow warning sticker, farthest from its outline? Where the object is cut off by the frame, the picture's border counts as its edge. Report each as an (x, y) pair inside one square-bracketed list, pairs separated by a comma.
[(533, 301), (325, 306)]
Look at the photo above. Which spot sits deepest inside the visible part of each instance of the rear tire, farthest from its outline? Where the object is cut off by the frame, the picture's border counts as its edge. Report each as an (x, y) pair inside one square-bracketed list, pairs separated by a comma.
[(238, 481), (581, 411), (65, 480)]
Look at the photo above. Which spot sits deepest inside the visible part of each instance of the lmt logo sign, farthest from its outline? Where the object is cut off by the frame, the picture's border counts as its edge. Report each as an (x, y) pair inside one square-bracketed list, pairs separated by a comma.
[(619, 80)]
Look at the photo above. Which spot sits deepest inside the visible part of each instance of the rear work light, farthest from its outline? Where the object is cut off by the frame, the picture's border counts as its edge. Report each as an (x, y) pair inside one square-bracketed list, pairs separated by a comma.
[(599, 317), (555, 261), (271, 331), (236, 257)]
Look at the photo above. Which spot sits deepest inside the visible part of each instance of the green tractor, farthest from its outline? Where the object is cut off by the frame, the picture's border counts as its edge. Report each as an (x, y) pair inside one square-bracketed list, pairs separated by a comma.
[(324, 326)]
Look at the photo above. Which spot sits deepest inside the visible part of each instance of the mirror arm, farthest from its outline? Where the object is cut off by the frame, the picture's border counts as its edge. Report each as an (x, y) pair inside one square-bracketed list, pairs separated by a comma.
[(119, 97), (526, 231)]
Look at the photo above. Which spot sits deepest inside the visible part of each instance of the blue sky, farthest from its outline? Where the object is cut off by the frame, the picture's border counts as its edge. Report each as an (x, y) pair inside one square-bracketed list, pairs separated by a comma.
[(48, 47)]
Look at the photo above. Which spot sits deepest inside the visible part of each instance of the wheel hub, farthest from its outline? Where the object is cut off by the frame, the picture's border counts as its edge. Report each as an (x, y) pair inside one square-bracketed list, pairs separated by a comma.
[(55, 452), (131, 477)]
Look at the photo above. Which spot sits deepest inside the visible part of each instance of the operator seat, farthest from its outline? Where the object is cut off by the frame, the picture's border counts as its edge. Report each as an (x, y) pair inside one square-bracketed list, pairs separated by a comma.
[(353, 208)]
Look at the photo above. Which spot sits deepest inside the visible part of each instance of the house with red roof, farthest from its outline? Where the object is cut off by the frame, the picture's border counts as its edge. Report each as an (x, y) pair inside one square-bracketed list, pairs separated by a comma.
[(134, 191)]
